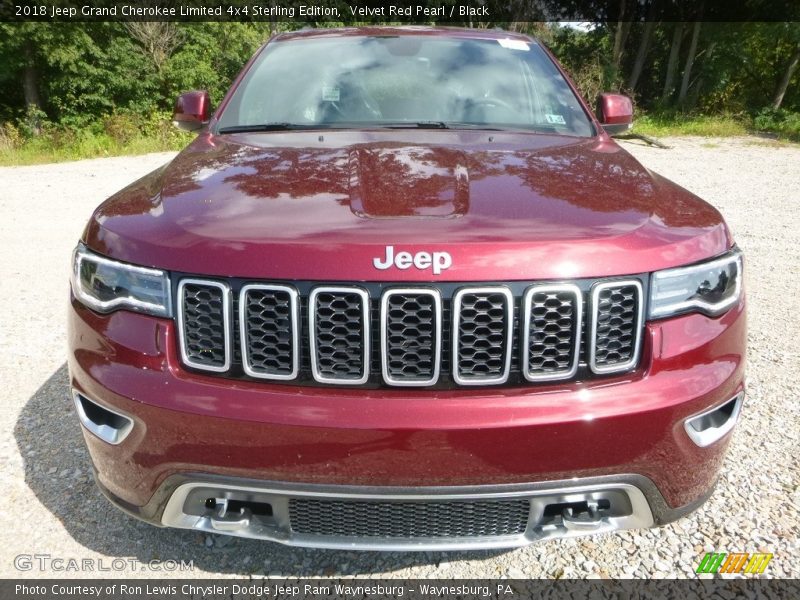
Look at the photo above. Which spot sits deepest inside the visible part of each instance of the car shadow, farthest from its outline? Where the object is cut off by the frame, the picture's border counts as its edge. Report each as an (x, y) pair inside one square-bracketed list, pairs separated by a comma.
[(58, 471)]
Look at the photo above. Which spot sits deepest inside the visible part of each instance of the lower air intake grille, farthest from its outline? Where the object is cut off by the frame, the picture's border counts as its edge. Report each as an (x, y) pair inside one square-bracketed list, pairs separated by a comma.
[(203, 324), (447, 519)]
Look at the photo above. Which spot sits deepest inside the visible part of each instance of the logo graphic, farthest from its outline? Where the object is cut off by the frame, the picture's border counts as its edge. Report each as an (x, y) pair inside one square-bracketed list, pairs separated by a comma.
[(438, 261), (734, 562)]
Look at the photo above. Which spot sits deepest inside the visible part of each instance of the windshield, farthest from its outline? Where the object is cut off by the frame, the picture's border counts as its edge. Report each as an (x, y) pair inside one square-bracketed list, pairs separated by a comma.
[(397, 81)]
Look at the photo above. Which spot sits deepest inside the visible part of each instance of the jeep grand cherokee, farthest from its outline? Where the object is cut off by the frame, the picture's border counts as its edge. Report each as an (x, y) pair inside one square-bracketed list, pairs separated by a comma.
[(404, 291)]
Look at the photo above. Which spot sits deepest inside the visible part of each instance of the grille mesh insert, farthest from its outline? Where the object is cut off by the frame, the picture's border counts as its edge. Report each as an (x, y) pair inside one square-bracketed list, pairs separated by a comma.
[(482, 330), (411, 336), (269, 331), (203, 324), (339, 335), (552, 332), (616, 316), (446, 519)]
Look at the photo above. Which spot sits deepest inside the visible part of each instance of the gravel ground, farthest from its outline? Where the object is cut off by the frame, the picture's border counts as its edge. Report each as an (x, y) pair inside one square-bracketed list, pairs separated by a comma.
[(52, 506)]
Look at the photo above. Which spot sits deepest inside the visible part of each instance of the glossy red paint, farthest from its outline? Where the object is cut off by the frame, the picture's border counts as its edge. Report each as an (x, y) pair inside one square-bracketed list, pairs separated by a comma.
[(187, 422), (192, 110), (320, 206), (505, 205), (615, 109)]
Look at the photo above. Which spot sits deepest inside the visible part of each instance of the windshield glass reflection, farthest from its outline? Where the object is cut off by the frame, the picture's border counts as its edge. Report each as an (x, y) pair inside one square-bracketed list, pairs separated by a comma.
[(406, 80)]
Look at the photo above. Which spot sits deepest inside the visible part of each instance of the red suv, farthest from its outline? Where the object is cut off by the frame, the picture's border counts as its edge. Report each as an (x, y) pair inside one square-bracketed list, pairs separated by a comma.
[(403, 291)]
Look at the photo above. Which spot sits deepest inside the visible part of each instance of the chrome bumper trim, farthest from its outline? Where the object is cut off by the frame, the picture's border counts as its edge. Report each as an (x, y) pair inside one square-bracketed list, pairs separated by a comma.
[(715, 423), (113, 432), (630, 510)]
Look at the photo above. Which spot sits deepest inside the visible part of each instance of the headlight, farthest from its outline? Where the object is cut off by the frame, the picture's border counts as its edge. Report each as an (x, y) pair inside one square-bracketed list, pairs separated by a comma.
[(710, 288), (105, 285)]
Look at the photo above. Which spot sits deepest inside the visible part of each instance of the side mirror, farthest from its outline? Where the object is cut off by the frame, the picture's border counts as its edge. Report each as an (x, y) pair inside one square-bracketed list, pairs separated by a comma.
[(192, 110), (615, 113)]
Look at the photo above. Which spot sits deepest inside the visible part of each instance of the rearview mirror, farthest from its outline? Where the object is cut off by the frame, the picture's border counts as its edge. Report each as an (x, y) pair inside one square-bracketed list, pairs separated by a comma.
[(192, 110), (615, 113)]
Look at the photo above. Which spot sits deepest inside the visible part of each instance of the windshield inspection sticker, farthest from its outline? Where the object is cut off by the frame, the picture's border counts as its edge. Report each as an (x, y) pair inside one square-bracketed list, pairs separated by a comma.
[(555, 119), (514, 44), (330, 93)]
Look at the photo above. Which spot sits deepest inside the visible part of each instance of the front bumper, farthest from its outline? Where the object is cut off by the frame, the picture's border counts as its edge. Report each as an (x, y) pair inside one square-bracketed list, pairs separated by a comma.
[(180, 502), (622, 431)]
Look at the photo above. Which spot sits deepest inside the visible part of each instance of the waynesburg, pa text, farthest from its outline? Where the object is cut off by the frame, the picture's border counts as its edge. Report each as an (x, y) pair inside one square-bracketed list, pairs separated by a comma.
[(256, 590)]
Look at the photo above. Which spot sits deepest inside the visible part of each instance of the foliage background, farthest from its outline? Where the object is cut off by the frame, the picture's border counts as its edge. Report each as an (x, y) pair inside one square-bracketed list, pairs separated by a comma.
[(85, 89)]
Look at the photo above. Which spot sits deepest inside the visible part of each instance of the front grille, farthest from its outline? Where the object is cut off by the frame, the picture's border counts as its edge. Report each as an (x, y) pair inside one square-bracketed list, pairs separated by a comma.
[(411, 322), (268, 320), (204, 324), (551, 335), (339, 321), (482, 335), (409, 520), (616, 325), (440, 335)]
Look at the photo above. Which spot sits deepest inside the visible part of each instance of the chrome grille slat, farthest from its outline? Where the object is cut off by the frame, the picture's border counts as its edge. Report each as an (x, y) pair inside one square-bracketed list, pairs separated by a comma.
[(551, 327), (482, 333), (339, 335), (411, 326), (615, 332), (204, 324), (269, 331), (409, 520)]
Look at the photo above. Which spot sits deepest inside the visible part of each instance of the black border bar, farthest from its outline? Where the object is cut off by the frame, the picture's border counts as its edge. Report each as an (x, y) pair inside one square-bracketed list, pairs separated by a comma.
[(408, 589), (351, 12)]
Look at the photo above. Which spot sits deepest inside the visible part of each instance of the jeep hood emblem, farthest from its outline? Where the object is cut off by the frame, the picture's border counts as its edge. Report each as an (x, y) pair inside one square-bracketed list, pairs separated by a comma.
[(438, 261)]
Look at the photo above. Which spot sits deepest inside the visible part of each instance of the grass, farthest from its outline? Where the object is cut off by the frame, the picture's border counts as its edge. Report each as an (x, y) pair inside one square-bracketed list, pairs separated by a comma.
[(705, 126), (130, 137), (85, 145), (781, 126)]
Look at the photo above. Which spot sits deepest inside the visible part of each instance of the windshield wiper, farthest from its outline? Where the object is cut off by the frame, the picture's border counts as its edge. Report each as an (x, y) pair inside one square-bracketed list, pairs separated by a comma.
[(479, 126), (285, 126), (265, 127), (416, 125), (442, 125)]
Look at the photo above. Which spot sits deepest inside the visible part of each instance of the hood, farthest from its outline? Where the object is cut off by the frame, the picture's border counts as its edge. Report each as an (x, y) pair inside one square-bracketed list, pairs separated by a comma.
[(325, 206)]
